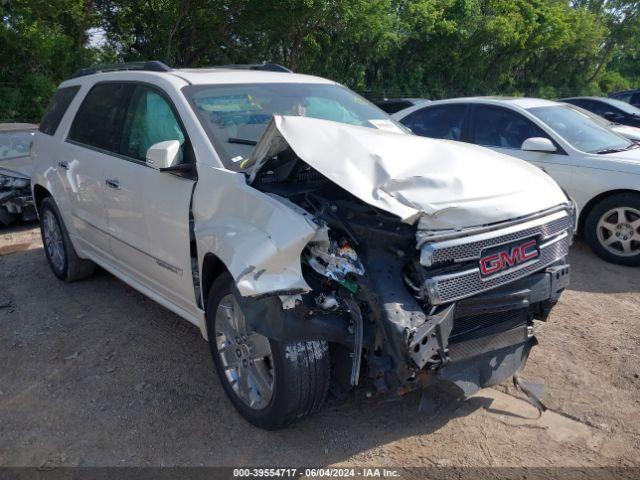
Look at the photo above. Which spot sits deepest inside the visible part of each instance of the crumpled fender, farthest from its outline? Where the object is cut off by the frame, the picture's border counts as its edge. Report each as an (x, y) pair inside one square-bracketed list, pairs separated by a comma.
[(258, 238)]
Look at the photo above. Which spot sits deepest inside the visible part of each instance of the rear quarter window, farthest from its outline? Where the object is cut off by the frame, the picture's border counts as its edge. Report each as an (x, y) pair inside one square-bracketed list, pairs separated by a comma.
[(56, 109)]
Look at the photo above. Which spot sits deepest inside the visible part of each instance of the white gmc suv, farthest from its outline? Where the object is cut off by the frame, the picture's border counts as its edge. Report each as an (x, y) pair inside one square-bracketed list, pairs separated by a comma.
[(315, 243)]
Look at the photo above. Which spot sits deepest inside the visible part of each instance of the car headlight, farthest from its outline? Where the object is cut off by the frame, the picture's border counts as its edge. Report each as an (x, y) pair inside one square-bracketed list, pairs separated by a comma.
[(13, 182)]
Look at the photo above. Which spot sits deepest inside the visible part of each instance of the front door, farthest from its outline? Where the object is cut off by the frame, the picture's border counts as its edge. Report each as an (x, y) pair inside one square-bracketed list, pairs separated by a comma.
[(504, 131), (148, 210)]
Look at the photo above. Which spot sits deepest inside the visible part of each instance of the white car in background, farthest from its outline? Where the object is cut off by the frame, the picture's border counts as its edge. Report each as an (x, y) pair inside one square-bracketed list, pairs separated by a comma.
[(597, 167)]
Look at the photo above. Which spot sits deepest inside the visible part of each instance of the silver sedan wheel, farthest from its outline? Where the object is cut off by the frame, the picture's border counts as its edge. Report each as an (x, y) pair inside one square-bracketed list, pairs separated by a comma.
[(619, 231), (245, 356), (53, 240)]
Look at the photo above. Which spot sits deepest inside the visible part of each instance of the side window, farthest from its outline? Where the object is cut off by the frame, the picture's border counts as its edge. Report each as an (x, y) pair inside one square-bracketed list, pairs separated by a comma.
[(600, 108), (581, 103), (625, 97), (444, 121), (150, 119), (97, 123), (635, 99), (498, 127), (56, 109)]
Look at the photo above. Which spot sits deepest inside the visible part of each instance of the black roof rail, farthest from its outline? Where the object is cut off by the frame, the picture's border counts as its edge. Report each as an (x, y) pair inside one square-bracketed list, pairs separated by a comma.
[(267, 67), (149, 66)]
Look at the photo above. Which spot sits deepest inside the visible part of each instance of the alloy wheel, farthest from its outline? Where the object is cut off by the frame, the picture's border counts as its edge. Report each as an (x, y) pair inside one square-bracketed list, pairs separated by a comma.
[(618, 231), (246, 356), (53, 241)]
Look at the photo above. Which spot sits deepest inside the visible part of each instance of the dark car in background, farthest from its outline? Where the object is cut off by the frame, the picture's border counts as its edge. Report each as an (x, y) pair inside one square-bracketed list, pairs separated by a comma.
[(15, 172), (629, 96), (614, 110), (393, 105)]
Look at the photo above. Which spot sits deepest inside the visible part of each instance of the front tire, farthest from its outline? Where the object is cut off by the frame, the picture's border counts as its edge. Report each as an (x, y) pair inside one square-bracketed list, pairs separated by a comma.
[(612, 229), (62, 257), (271, 384)]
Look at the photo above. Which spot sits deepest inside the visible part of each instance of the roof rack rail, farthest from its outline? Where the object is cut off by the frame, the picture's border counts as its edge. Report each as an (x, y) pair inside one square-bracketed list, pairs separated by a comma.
[(150, 66), (268, 67)]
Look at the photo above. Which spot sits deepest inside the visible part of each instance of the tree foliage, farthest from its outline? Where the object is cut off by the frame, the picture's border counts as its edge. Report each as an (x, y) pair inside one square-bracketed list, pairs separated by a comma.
[(432, 48)]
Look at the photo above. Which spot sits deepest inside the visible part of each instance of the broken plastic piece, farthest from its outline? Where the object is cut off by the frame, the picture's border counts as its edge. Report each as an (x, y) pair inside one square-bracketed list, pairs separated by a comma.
[(533, 392)]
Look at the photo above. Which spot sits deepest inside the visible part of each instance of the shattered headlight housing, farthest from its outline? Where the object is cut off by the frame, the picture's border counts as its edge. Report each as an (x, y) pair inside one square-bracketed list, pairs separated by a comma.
[(336, 260), (13, 182)]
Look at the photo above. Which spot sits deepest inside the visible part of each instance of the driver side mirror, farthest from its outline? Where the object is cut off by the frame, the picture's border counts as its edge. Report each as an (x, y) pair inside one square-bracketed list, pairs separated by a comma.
[(538, 144), (163, 155)]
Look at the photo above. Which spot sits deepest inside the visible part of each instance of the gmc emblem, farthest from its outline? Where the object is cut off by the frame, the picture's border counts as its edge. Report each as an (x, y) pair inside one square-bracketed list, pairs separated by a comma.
[(508, 256)]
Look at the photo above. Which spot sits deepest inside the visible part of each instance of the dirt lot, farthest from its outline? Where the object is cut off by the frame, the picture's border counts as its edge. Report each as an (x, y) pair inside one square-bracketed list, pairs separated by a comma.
[(95, 374)]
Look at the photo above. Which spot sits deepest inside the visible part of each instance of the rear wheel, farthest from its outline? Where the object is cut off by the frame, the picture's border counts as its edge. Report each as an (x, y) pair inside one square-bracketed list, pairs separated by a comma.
[(270, 383), (612, 228), (63, 259)]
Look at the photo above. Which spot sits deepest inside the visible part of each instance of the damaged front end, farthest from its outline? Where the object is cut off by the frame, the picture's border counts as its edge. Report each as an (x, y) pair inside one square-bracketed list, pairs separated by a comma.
[(16, 200), (405, 305)]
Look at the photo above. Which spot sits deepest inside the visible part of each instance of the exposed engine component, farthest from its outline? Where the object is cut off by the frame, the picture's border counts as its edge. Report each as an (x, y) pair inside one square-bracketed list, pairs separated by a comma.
[(337, 260), (327, 301), (15, 197)]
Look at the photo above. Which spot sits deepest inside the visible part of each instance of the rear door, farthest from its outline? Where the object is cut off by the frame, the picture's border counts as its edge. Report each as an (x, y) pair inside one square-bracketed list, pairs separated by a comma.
[(92, 141), (504, 131), (148, 211)]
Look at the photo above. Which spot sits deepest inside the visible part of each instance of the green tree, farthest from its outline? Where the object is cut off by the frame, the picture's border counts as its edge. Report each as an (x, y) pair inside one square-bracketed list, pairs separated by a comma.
[(42, 44)]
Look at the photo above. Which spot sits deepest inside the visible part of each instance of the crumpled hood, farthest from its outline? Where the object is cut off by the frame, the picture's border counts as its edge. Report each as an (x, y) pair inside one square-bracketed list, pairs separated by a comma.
[(454, 184)]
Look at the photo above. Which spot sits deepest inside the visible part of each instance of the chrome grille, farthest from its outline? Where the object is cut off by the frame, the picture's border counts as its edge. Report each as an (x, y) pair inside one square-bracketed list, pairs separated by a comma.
[(553, 233), (470, 248), (448, 288)]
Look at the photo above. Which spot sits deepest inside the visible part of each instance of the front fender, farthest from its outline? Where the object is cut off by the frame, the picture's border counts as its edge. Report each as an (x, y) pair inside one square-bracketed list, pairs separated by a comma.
[(257, 237)]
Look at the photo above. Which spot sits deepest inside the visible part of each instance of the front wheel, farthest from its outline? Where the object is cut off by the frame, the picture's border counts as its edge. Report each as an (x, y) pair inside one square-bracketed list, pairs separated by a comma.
[(612, 229), (270, 383)]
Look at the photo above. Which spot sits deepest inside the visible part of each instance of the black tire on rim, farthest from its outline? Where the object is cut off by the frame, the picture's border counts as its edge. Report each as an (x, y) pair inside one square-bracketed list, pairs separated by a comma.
[(61, 255), (270, 383), (612, 229)]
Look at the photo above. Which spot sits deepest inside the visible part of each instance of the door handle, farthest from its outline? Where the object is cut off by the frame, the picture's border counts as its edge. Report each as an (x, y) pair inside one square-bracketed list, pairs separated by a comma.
[(112, 183), (64, 165)]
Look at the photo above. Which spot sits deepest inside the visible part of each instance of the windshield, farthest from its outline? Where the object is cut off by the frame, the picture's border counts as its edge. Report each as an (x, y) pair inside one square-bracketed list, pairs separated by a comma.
[(235, 116), (581, 131)]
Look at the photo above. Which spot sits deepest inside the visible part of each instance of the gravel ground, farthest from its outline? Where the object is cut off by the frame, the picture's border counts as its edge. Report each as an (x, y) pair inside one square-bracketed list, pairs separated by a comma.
[(95, 374)]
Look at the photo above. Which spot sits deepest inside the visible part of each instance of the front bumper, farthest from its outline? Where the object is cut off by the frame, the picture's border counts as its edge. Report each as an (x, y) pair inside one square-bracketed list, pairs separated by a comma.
[(483, 340), (18, 202)]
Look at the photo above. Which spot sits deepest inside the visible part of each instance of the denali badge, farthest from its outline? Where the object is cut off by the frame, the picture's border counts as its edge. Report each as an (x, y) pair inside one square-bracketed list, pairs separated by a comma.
[(505, 257)]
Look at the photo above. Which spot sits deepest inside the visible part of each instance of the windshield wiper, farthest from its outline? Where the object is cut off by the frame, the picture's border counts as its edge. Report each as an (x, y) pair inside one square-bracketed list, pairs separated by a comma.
[(242, 141), (610, 150)]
